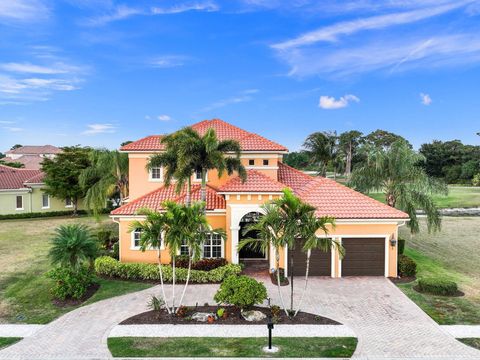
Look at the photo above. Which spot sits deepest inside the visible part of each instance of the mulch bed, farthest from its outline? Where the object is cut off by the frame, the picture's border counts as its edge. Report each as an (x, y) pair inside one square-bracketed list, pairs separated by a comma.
[(92, 289), (403, 280), (457, 294), (233, 317)]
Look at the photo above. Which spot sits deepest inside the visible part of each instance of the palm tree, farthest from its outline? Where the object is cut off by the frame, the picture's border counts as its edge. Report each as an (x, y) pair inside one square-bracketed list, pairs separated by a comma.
[(294, 212), (151, 233), (107, 177), (397, 173), (169, 160), (310, 227), (271, 231), (322, 149), (203, 153), (72, 246)]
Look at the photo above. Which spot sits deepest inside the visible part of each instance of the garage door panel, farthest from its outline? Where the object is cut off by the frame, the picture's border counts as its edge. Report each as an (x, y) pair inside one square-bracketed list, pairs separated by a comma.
[(320, 262), (363, 257)]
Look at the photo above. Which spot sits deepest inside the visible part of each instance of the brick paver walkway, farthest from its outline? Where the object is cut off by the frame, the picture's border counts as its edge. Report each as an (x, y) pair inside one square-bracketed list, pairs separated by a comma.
[(388, 325)]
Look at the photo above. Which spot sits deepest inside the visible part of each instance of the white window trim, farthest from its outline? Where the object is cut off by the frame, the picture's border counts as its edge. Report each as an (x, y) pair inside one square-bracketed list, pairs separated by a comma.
[(48, 200), (23, 205), (71, 203), (155, 180), (195, 179), (222, 244), (132, 241)]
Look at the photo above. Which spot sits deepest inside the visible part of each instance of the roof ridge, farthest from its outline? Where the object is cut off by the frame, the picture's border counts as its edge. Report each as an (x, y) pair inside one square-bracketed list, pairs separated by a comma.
[(15, 169)]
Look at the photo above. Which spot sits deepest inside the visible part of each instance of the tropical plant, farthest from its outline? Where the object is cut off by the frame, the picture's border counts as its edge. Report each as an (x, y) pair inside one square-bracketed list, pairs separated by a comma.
[(62, 174), (72, 246), (396, 172), (106, 177), (348, 143), (322, 148), (202, 153), (310, 225), (241, 291), (70, 283)]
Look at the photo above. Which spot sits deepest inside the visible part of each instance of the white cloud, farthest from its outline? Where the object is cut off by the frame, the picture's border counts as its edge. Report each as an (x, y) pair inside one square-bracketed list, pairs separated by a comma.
[(13, 129), (330, 103), (23, 10), (425, 99), (243, 96), (147, 117), (331, 33), (56, 68), (164, 117), (7, 122), (168, 61), (94, 129), (122, 12)]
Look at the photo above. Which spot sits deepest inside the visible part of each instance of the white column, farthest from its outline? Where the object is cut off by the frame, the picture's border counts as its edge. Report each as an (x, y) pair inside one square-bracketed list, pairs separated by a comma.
[(234, 236)]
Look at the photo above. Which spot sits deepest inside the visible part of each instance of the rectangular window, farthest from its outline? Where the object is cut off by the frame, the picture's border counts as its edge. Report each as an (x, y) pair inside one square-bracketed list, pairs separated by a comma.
[(184, 248), (265, 162), (156, 173), (198, 175), (45, 201), (251, 162), (212, 248), (136, 238), (68, 202), (19, 202)]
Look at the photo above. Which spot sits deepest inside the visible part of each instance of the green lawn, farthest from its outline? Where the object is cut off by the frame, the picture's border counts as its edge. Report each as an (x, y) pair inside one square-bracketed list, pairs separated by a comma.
[(457, 197), (4, 342), (230, 347), (453, 254), (25, 295), (473, 342)]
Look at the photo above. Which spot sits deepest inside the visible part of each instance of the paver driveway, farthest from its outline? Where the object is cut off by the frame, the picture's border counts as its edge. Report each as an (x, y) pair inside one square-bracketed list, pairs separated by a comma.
[(388, 325)]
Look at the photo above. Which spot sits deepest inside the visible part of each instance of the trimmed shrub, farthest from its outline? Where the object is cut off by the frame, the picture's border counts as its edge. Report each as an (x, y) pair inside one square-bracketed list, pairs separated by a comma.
[(70, 284), (437, 286), (401, 246), (204, 264), (406, 266), (109, 267), (241, 291)]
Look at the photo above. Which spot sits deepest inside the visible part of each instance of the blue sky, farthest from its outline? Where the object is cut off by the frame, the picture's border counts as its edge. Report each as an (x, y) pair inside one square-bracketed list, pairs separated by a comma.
[(99, 72)]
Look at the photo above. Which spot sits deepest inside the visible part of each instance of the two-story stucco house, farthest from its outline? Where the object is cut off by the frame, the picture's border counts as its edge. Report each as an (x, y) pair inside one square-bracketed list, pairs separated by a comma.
[(366, 228)]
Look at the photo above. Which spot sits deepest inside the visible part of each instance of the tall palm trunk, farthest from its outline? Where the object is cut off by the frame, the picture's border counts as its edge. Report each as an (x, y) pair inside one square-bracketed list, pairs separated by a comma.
[(203, 190), (391, 200), (290, 268), (160, 270), (348, 167), (309, 253), (190, 256), (277, 260), (188, 197), (173, 284)]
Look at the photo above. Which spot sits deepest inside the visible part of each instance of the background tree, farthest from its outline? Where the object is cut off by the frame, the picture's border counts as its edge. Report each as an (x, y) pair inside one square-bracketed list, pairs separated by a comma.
[(348, 143), (298, 160), (16, 146), (396, 172), (62, 174), (72, 246), (383, 139), (13, 164), (322, 149), (2, 155), (126, 142), (105, 178)]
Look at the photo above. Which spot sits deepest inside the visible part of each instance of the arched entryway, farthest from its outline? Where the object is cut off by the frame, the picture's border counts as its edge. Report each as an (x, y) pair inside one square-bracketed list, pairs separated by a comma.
[(250, 252)]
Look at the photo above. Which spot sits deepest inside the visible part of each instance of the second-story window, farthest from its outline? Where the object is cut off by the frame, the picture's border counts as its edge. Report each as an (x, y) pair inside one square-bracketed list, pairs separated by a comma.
[(251, 162), (198, 175), (156, 173), (265, 162)]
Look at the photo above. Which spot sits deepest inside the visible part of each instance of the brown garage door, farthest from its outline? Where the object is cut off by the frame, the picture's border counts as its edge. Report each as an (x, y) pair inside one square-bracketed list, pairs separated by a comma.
[(363, 257), (320, 262)]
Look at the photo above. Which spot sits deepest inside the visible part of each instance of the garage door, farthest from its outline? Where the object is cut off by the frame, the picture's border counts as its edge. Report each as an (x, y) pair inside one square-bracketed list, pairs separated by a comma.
[(320, 262), (363, 257)]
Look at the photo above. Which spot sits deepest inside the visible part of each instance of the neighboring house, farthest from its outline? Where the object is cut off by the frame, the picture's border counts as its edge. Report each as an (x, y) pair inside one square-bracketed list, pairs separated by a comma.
[(367, 228), (31, 156), (22, 191)]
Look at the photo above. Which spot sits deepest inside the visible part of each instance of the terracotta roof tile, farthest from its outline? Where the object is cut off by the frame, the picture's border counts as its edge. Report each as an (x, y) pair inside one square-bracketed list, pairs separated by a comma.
[(248, 141), (154, 200), (12, 178), (34, 149), (256, 182), (333, 199), (29, 161)]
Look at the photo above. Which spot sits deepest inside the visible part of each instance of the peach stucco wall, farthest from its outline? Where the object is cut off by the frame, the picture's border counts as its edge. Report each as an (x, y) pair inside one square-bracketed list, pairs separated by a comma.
[(127, 254)]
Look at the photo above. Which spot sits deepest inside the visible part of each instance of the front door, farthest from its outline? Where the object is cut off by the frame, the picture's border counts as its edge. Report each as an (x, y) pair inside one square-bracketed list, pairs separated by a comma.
[(251, 251)]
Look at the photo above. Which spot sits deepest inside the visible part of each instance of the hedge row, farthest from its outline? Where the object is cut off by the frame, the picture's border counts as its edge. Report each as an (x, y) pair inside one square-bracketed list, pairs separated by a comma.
[(438, 286), (107, 266), (45, 214)]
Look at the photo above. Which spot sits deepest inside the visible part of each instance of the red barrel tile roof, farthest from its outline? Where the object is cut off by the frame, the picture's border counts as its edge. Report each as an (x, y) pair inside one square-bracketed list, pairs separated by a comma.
[(256, 182), (13, 178), (225, 131), (154, 200)]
